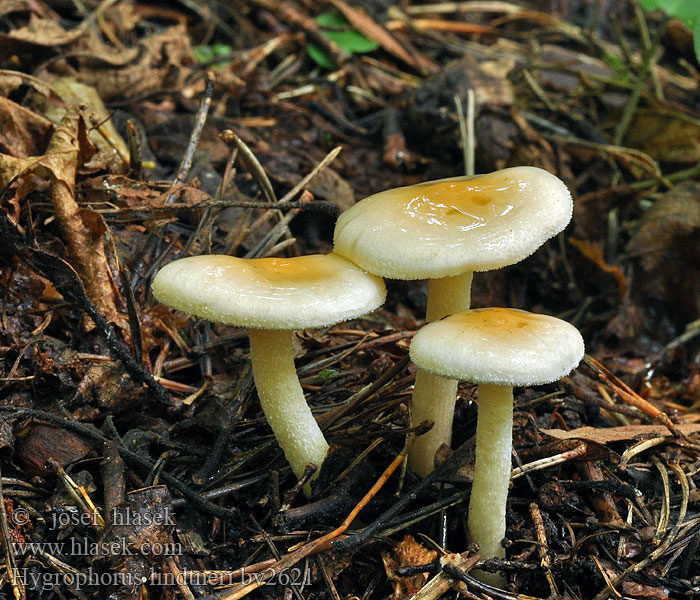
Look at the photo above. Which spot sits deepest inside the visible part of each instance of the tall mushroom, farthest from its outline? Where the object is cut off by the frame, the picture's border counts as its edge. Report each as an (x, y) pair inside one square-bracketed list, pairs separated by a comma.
[(443, 231), (497, 348), (272, 297)]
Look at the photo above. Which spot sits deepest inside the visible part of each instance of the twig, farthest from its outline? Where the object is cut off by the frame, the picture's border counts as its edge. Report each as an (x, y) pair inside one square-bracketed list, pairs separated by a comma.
[(322, 543), (251, 163), (605, 592), (327, 420), (442, 472), (327, 160), (181, 177), (93, 434), (443, 581), (68, 283), (631, 397), (549, 461), (10, 564), (545, 560)]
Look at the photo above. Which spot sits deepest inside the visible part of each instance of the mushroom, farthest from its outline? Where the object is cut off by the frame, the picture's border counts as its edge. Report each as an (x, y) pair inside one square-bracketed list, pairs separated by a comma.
[(444, 231), (497, 348), (272, 297)]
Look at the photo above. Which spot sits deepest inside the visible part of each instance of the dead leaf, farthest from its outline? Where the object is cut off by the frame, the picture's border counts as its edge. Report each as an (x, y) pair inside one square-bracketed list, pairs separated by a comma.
[(646, 592), (666, 136), (73, 92), (667, 247), (608, 435), (23, 132), (42, 33), (42, 442), (408, 553), (595, 254), (160, 62), (430, 118), (69, 148)]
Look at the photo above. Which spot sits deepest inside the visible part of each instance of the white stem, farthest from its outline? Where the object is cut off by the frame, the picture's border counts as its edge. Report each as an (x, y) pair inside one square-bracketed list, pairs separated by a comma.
[(494, 441), (434, 399), (434, 396), (283, 401), (448, 295)]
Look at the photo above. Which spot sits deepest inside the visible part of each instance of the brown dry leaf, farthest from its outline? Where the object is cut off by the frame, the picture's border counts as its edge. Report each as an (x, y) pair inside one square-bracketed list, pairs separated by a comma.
[(608, 435), (667, 246), (595, 254), (41, 442), (133, 543), (157, 64), (566, 70), (361, 21), (645, 592), (666, 136), (408, 552), (10, 6), (42, 32), (23, 132), (672, 218), (72, 93), (69, 147)]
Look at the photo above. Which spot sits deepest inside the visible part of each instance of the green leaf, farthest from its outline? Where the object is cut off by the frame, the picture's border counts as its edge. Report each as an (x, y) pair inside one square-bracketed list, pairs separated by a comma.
[(688, 12), (352, 41), (221, 50), (696, 40), (332, 20), (320, 57), (203, 54), (327, 375), (651, 4), (337, 29)]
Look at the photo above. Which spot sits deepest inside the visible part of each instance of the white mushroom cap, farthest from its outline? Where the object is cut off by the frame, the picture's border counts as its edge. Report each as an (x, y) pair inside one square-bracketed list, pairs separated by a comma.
[(450, 226), (269, 293), (500, 346)]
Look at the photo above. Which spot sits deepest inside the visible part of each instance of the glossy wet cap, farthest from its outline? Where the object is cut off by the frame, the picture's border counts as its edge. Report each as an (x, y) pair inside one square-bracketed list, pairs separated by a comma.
[(269, 293), (501, 346), (450, 226)]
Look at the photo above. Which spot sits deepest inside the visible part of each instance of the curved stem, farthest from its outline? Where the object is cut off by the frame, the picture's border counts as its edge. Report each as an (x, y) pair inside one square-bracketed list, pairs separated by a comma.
[(283, 401), (434, 396), (494, 441)]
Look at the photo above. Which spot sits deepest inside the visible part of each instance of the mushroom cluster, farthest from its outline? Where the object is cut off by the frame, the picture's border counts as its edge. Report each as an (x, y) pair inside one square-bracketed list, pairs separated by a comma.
[(442, 231), (497, 348)]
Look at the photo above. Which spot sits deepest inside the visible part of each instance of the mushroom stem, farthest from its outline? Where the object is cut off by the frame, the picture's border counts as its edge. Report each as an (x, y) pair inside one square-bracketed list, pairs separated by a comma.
[(434, 396), (448, 295), (283, 401), (494, 441)]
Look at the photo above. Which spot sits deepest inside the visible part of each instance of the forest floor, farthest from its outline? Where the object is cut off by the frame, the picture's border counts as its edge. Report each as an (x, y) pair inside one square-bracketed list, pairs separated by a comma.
[(135, 461)]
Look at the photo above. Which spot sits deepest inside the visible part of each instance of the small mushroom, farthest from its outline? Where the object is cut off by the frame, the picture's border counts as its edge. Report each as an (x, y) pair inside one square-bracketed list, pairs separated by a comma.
[(497, 348), (272, 297), (443, 231)]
